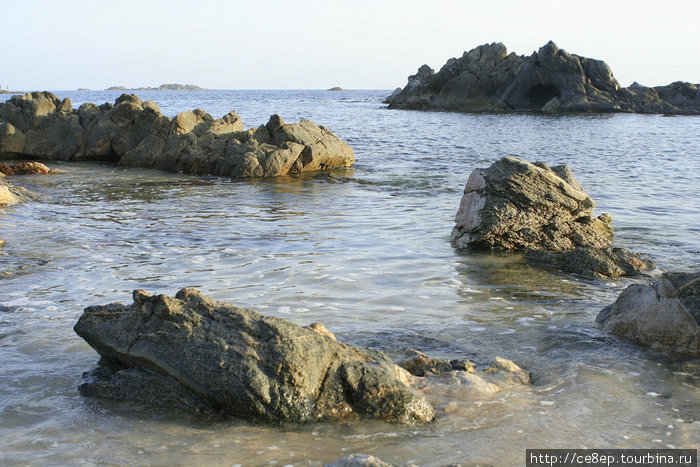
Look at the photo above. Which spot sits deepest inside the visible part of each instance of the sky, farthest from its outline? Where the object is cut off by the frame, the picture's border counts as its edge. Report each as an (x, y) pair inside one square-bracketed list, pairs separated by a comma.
[(305, 44)]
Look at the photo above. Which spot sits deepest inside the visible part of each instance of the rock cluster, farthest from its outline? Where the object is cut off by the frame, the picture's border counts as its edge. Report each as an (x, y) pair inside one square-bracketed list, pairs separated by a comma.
[(195, 353), (517, 205), (488, 79), (135, 133), (663, 315)]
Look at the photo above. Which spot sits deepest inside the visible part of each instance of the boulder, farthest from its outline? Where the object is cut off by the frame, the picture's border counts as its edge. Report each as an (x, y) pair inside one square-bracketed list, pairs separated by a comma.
[(28, 168), (359, 460), (135, 133), (607, 262), (515, 204), (488, 79), (10, 194), (236, 362), (663, 315)]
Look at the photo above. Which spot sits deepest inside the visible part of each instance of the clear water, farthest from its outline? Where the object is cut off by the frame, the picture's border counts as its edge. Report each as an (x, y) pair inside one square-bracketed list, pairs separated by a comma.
[(365, 251)]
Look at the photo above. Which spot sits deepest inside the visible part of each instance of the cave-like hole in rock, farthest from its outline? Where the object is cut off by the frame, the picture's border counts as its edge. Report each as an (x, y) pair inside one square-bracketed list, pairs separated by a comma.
[(543, 93)]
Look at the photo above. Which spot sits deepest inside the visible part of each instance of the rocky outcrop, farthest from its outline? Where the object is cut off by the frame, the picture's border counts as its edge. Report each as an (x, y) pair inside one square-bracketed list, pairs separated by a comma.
[(162, 87), (605, 262), (663, 315), (194, 353), (135, 133), (488, 79), (517, 205)]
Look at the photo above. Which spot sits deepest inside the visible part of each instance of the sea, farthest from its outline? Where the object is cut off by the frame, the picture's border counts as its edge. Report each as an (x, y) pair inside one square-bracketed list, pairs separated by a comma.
[(366, 251)]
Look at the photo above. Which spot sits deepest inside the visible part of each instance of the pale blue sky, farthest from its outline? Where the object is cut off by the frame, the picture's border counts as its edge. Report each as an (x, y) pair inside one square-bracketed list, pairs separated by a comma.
[(303, 44)]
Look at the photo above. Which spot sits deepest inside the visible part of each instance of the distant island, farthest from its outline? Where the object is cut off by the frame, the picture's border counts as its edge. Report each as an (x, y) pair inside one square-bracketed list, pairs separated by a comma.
[(336, 88), (3, 91), (162, 87)]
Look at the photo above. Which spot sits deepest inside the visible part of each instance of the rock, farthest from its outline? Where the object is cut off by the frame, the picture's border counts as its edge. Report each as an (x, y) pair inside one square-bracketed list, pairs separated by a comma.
[(594, 262), (28, 168), (509, 371), (336, 88), (237, 362), (488, 79), (10, 194), (518, 205), (419, 364), (135, 133), (663, 315), (359, 460)]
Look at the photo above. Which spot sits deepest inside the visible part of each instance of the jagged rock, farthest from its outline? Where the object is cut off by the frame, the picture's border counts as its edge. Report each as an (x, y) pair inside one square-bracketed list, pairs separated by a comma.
[(28, 168), (488, 79), (594, 262), (237, 362), (136, 133), (518, 205), (663, 315)]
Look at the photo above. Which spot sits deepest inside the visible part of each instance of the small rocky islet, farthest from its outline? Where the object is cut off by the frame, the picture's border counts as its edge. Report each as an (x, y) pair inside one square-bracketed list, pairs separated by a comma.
[(489, 79)]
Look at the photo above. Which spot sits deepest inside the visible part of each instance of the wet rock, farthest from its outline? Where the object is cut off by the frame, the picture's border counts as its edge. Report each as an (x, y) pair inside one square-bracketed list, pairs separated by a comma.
[(359, 460), (508, 371), (605, 262), (488, 79), (420, 364), (136, 133), (28, 168), (663, 315), (11, 194), (240, 363), (518, 205)]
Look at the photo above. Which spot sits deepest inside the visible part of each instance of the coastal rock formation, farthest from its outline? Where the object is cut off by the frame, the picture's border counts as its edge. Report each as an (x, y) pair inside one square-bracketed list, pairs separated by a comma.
[(663, 315), (194, 353), (488, 79), (28, 168), (135, 133), (515, 204), (10, 194), (594, 262), (162, 87)]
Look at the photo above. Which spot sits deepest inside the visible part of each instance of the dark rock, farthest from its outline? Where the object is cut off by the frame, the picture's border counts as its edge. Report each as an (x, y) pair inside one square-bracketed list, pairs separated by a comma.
[(488, 79), (594, 262), (419, 364), (663, 315), (518, 205), (136, 133), (240, 363)]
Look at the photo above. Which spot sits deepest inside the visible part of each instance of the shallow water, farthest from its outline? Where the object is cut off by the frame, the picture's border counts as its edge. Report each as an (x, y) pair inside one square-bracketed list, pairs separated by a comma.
[(365, 251)]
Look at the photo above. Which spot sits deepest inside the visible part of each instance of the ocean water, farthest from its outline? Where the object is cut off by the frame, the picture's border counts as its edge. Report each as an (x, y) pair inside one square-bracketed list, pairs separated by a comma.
[(365, 251)]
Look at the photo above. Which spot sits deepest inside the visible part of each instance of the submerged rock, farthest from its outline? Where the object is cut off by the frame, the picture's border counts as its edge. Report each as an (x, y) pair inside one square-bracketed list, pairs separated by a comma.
[(663, 315), (518, 205), (594, 262), (359, 460), (192, 352), (488, 79), (135, 133)]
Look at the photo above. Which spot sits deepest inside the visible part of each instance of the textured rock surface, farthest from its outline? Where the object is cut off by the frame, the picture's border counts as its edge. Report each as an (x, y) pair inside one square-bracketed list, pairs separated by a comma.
[(10, 194), (594, 262), (214, 356), (663, 315), (359, 460), (518, 205), (136, 133), (488, 79), (28, 168)]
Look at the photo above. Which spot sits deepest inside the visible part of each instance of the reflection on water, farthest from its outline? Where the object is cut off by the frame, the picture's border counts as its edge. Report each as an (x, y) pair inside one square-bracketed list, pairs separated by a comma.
[(365, 251)]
